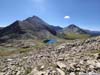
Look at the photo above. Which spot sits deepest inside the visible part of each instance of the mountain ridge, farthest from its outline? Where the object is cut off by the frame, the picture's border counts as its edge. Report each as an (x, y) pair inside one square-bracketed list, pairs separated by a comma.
[(35, 28), (32, 27)]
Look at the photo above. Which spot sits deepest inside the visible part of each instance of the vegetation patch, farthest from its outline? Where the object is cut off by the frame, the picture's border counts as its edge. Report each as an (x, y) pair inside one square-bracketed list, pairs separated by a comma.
[(72, 36)]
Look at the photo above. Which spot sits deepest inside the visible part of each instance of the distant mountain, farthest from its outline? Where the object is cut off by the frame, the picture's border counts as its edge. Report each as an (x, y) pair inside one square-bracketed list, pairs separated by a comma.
[(77, 30), (74, 29), (74, 32), (32, 27), (93, 33)]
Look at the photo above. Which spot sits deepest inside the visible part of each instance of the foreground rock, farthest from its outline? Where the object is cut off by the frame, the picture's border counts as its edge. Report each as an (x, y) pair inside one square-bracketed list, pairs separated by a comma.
[(78, 57)]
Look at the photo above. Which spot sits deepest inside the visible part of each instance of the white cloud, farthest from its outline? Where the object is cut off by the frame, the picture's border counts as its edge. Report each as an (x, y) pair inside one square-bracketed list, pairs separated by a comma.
[(67, 17)]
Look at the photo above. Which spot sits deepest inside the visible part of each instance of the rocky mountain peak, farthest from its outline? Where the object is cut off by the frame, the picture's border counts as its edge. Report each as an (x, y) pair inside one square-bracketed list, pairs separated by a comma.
[(74, 29), (72, 26), (36, 19)]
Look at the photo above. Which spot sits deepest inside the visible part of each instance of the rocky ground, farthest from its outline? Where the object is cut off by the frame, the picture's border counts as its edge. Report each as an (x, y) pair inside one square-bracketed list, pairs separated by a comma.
[(77, 57)]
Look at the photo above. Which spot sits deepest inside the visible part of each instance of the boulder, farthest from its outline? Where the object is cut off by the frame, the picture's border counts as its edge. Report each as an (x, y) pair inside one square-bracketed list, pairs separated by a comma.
[(97, 56), (97, 65), (72, 73), (36, 72), (60, 71), (61, 65)]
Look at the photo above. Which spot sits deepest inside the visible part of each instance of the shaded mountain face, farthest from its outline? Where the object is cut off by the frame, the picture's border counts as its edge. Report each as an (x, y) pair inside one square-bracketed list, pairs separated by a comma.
[(56, 28), (1, 28), (74, 29), (32, 27)]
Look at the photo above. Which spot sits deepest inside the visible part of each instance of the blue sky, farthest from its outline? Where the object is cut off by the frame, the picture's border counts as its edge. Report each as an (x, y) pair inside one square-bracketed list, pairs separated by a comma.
[(84, 13)]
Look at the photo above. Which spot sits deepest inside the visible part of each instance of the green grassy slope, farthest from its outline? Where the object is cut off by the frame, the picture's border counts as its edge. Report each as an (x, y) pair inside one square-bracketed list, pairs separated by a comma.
[(73, 36)]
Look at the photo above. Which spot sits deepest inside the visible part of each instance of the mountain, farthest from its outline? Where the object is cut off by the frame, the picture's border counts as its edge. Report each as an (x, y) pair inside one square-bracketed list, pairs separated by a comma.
[(35, 28), (93, 33), (51, 28), (77, 30), (56, 28), (1, 28), (73, 32), (32, 27), (74, 29)]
